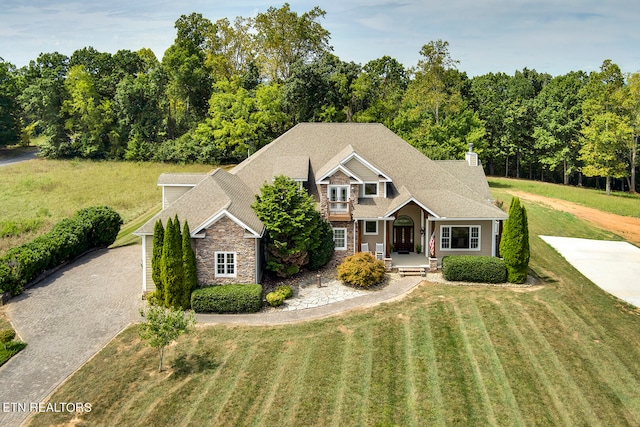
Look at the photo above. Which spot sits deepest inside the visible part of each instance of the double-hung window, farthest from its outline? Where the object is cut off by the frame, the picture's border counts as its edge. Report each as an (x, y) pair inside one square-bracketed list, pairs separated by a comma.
[(460, 237), (225, 264), (340, 239)]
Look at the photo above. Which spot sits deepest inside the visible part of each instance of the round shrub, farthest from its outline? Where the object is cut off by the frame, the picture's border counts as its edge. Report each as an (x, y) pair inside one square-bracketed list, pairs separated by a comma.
[(478, 269), (275, 299), (285, 290), (361, 269), (6, 336)]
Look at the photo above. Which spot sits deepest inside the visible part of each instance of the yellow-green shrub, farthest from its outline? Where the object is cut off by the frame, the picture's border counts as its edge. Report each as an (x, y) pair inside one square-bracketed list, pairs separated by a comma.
[(361, 269)]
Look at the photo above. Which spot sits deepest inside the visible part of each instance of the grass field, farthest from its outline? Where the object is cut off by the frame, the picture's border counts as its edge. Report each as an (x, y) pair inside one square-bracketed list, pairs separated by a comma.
[(618, 203), (36, 194), (563, 353)]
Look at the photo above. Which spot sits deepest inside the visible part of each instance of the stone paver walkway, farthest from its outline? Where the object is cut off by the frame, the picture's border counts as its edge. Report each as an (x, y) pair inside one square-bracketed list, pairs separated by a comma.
[(351, 299), (65, 320)]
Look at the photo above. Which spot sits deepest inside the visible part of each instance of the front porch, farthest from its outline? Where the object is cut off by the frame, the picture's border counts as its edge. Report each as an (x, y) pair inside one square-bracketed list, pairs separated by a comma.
[(411, 259)]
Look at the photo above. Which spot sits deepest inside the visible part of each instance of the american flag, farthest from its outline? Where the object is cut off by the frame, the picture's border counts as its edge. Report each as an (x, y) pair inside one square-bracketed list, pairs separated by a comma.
[(432, 245)]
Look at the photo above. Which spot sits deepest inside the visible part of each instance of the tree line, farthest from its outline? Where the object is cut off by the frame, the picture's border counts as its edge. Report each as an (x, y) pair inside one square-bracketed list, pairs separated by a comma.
[(224, 89)]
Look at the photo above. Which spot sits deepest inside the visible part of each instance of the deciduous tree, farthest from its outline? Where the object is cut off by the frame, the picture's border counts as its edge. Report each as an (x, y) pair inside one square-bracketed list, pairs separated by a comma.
[(163, 326)]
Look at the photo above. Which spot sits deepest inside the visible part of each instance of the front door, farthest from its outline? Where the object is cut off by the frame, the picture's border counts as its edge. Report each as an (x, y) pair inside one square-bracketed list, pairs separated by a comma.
[(403, 238)]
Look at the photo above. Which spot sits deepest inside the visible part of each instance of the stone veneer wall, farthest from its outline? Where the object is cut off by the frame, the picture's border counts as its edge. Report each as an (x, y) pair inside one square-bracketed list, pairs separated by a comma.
[(339, 178), (225, 235)]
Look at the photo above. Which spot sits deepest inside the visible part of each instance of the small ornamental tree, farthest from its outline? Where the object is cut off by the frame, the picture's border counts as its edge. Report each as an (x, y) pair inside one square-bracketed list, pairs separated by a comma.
[(163, 326), (290, 217), (190, 281), (158, 242), (514, 245)]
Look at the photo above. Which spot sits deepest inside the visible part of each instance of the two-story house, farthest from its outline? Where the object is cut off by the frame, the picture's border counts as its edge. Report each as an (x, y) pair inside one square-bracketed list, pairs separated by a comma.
[(378, 192)]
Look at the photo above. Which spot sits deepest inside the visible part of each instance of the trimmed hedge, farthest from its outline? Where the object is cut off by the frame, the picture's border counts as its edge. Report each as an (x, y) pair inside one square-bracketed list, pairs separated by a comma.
[(89, 228), (469, 268), (227, 299)]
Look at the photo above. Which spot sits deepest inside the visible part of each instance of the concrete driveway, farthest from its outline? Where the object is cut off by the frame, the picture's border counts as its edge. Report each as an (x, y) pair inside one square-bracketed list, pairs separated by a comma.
[(613, 266), (65, 320)]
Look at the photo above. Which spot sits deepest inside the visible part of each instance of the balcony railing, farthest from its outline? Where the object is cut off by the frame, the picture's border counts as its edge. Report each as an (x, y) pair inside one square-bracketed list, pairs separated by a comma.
[(339, 211)]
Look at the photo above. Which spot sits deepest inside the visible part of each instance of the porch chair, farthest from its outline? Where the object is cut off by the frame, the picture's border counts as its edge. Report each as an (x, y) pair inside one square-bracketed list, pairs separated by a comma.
[(364, 247), (379, 251)]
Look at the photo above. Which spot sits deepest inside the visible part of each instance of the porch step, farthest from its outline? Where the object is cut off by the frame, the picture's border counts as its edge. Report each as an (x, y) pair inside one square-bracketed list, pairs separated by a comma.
[(412, 271)]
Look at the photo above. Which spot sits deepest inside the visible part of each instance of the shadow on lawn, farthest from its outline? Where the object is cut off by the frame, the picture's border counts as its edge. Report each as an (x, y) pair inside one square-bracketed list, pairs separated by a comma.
[(190, 364), (496, 184)]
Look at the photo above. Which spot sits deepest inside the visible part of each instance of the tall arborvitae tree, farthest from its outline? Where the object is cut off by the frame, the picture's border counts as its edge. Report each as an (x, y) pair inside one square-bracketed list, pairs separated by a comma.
[(190, 281), (514, 245), (156, 275), (164, 271), (173, 274)]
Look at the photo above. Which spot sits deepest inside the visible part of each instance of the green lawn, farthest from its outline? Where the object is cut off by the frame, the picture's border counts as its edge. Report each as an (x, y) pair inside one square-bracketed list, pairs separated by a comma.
[(618, 203), (564, 353), (36, 194)]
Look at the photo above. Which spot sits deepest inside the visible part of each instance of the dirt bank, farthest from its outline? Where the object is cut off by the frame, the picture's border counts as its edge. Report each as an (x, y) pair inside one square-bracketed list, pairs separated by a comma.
[(625, 226)]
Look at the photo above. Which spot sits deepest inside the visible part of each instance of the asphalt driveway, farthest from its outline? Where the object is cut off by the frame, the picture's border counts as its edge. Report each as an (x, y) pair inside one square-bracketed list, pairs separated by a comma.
[(65, 320), (613, 266)]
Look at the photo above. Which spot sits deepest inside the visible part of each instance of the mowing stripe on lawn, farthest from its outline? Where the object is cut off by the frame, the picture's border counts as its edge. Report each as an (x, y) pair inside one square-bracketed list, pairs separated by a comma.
[(262, 404), (347, 351), (621, 382), (560, 373), (249, 386), (291, 389), (462, 402), (431, 403), (410, 390), (508, 412), (321, 380), (463, 326), (538, 367), (385, 404), (532, 397)]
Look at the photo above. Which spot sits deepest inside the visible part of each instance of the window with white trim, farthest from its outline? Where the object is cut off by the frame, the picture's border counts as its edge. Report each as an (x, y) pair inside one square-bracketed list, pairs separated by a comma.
[(460, 238), (338, 196), (371, 227), (225, 264), (370, 189), (340, 239)]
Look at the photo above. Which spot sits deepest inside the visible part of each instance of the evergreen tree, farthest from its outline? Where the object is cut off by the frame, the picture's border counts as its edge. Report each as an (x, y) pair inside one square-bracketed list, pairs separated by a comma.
[(164, 272), (322, 246), (172, 254), (514, 245), (291, 219), (190, 281), (158, 243)]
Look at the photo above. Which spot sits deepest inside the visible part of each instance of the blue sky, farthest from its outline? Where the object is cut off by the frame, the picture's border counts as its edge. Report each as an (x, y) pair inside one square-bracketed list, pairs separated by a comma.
[(553, 36)]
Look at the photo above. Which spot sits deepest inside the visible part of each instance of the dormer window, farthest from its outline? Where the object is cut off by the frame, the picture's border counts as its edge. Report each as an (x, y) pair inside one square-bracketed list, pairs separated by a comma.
[(370, 189)]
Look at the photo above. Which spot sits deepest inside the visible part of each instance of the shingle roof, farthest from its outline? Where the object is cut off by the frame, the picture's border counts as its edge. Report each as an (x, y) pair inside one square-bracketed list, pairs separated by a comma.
[(217, 192), (449, 189), (181, 178)]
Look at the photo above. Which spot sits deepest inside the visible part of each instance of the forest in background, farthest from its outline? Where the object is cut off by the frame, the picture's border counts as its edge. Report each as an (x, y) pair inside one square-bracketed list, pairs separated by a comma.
[(225, 89)]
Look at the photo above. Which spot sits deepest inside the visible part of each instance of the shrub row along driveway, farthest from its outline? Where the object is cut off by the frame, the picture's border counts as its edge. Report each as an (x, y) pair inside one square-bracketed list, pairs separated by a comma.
[(66, 319)]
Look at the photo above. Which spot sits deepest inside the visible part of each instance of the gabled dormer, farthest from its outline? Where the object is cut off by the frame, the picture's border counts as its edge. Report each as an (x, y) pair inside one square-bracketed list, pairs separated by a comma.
[(346, 178)]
